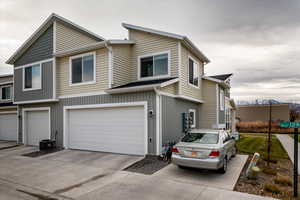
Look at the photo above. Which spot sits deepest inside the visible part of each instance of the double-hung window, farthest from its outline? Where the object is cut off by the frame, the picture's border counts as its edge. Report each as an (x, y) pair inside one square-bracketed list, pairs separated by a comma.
[(192, 113), (32, 77), (193, 72), (83, 69), (154, 65), (6, 93)]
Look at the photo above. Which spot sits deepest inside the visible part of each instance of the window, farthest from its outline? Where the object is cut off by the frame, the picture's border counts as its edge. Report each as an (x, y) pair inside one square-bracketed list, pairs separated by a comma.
[(154, 66), (32, 77), (222, 100), (193, 73), (6, 93), (83, 69), (192, 113), (201, 138)]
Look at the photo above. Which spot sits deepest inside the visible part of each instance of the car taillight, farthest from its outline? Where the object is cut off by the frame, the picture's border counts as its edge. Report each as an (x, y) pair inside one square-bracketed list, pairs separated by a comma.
[(175, 150), (214, 153)]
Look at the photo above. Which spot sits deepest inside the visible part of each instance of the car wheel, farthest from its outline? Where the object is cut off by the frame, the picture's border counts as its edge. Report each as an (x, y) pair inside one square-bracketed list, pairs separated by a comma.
[(234, 150), (223, 169)]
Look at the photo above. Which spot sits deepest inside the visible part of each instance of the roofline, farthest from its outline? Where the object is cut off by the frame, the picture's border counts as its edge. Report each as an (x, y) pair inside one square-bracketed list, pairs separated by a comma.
[(35, 35), (231, 74), (262, 105), (223, 83), (6, 75), (132, 89), (184, 39)]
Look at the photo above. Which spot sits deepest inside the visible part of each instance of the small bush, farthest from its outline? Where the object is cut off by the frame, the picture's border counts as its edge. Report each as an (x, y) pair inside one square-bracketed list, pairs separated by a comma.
[(269, 171), (272, 188), (283, 180)]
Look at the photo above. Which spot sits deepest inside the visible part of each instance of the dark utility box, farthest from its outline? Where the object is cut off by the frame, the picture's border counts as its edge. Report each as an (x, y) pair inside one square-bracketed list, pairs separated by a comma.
[(47, 145)]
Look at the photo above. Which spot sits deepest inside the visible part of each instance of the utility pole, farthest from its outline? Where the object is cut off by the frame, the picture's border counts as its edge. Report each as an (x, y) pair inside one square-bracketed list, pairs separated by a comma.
[(269, 133)]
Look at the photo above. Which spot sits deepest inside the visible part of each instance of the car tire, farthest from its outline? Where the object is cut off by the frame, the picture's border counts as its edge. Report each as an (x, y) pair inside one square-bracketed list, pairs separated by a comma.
[(234, 150), (223, 169), (181, 167)]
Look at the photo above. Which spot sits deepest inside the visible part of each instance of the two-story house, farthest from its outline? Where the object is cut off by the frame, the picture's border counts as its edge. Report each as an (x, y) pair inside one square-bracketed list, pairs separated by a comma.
[(8, 111), (90, 93)]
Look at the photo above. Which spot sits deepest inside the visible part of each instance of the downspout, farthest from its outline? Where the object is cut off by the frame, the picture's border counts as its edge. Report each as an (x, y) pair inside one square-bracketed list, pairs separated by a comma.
[(158, 122), (110, 63)]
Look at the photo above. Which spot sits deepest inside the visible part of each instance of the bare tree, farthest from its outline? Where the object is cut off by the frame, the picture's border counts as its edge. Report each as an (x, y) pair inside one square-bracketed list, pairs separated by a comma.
[(294, 112)]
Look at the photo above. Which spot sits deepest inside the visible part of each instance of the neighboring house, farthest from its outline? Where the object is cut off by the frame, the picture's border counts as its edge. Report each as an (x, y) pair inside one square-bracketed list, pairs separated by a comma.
[(261, 112), (8, 111), (218, 109), (122, 96)]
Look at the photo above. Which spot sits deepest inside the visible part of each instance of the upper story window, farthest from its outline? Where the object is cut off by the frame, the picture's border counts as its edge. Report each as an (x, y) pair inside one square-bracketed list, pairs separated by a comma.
[(192, 113), (82, 68), (194, 72), (222, 100), (154, 66), (32, 77), (6, 93)]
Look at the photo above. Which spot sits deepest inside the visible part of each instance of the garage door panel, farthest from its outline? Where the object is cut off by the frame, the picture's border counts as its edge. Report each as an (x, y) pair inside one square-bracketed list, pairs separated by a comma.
[(119, 130), (8, 127)]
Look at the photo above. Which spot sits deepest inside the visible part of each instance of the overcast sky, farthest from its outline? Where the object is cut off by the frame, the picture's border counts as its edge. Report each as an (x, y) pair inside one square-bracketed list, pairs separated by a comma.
[(257, 40)]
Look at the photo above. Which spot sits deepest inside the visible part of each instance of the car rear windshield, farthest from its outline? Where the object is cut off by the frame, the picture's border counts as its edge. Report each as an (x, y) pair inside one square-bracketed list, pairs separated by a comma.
[(201, 138)]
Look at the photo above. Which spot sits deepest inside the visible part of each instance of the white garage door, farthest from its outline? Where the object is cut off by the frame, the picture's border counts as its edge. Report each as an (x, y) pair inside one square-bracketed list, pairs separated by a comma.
[(37, 127), (8, 127), (118, 129)]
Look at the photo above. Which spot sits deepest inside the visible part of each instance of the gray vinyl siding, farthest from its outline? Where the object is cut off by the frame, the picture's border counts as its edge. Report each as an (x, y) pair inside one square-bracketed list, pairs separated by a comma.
[(47, 85), (41, 49), (221, 112), (57, 112), (172, 110)]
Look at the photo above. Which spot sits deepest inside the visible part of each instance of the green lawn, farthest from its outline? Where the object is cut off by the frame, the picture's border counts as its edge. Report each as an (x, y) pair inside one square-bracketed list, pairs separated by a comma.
[(292, 136), (251, 143)]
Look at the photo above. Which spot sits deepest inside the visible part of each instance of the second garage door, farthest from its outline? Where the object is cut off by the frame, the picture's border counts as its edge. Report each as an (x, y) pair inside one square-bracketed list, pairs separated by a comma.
[(8, 126), (117, 129)]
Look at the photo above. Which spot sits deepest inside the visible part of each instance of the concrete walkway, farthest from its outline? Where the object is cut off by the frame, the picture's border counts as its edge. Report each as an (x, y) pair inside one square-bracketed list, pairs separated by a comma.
[(288, 144)]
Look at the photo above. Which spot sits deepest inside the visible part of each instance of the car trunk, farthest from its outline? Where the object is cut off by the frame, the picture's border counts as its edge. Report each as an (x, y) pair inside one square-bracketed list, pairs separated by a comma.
[(192, 150)]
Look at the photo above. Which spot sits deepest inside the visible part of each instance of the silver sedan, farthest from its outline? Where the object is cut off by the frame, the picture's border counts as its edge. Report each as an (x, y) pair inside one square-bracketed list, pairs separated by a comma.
[(205, 149)]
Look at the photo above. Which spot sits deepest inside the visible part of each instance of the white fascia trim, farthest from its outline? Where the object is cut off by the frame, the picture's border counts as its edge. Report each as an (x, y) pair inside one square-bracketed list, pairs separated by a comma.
[(5, 83), (82, 95), (164, 84), (7, 107), (34, 63), (6, 75), (24, 110), (217, 104), (35, 101), (89, 47), (189, 98), (179, 65), (8, 112), (93, 53), (154, 54), (121, 42), (133, 89), (211, 79), (110, 105)]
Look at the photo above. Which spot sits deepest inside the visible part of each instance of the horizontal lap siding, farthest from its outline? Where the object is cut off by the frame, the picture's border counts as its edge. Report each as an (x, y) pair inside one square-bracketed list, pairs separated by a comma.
[(68, 38), (171, 89), (147, 43), (41, 49), (122, 68), (6, 79), (172, 110), (47, 85), (63, 76), (208, 110), (57, 112), (187, 89)]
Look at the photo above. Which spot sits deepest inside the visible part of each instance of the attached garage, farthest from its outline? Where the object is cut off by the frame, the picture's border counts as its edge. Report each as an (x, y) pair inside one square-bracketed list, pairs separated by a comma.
[(8, 126), (117, 128), (36, 125)]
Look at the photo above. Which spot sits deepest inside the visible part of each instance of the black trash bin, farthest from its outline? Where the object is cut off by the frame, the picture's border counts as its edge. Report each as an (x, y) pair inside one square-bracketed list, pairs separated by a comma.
[(47, 145)]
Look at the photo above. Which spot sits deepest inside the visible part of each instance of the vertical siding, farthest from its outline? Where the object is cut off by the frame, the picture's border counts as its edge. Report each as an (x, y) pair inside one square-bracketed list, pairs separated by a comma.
[(208, 110), (147, 43), (171, 117), (63, 75), (122, 68), (67, 38), (41, 49), (57, 112), (187, 89), (47, 85)]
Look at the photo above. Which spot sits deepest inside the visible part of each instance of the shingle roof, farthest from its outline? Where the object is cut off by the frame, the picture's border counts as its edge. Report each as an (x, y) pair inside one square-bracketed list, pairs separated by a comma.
[(221, 77), (143, 83)]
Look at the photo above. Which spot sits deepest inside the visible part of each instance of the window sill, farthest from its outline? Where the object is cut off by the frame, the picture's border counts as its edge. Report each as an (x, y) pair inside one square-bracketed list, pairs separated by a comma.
[(31, 89), (194, 86), (82, 83)]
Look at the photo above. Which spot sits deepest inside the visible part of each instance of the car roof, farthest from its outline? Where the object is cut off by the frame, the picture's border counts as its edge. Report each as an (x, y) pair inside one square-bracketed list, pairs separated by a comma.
[(214, 131)]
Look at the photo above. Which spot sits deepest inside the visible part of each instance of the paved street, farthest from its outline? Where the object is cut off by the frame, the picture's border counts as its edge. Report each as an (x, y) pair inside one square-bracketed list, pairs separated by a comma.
[(288, 144)]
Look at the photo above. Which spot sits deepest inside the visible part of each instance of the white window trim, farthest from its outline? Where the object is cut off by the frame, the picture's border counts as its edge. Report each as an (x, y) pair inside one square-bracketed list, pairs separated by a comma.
[(70, 69), (199, 76), (222, 103), (194, 117), (11, 95), (154, 77), (30, 89)]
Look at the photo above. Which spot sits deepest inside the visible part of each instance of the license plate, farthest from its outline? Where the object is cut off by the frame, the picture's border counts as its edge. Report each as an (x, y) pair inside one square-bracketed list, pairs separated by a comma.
[(194, 154)]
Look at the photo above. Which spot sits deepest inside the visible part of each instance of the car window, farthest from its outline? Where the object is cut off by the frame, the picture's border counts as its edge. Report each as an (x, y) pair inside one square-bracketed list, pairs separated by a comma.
[(201, 138)]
